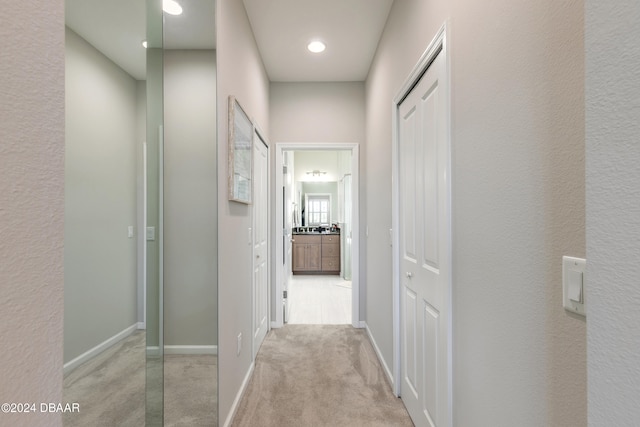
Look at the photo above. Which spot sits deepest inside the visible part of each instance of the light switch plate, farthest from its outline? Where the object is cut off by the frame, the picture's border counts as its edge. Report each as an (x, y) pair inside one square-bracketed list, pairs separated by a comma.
[(573, 292), (151, 233)]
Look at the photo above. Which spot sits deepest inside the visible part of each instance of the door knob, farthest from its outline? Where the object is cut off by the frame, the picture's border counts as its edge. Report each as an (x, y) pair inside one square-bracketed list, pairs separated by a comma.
[(409, 274)]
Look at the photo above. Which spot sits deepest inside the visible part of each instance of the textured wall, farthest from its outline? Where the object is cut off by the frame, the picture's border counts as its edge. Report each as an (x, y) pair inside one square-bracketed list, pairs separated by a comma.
[(518, 94), (31, 206), (100, 291), (241, 74), (190, 201), (518, 201), (317, 112), (613, 211)]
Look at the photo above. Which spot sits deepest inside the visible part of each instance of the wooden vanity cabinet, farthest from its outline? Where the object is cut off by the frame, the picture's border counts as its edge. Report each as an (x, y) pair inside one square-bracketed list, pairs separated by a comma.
[(306, 253), (316, 253), (331, 254)]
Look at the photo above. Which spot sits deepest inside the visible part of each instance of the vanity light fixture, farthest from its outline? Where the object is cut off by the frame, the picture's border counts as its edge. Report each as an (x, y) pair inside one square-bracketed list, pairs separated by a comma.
[(316, 46), (171, 7), (144, 44), (316, 172)]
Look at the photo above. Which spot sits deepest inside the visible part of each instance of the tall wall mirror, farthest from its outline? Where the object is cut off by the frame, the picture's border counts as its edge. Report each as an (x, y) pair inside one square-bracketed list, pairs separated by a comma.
[(140, 338)]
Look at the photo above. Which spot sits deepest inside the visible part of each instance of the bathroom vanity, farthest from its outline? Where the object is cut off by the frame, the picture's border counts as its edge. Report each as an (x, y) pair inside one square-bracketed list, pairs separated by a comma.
[(316, 251)]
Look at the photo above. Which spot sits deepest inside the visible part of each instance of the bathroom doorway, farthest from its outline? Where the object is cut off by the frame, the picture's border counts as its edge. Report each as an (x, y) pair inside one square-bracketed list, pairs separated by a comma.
[(317, 239)]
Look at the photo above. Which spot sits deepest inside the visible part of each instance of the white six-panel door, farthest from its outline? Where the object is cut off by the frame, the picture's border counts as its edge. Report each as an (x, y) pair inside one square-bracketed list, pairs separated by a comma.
[(424, 243), (260, 241)]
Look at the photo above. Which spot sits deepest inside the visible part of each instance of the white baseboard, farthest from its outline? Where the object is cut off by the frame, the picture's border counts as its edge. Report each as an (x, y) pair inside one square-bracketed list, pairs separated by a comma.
[(385, 367), (153, 351), (236, 401), (275, 325), (142, 325), (361, 324), (90, 354), (191, 349)]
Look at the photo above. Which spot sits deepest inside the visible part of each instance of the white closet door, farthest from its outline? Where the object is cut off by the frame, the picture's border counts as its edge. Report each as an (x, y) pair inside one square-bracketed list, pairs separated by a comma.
[(424, 249)]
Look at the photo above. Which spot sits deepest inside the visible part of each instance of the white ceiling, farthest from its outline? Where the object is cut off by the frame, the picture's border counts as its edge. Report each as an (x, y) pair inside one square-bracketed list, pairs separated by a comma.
[(351, 30), (118, 27), (282, 28)]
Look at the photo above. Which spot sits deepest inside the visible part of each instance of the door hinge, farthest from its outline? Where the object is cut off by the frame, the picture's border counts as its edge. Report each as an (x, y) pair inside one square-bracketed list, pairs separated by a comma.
[(284, 294)]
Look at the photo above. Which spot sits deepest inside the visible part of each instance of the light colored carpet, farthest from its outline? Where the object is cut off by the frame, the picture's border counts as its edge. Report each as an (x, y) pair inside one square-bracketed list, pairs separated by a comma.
[(110, 389), (319, 375)]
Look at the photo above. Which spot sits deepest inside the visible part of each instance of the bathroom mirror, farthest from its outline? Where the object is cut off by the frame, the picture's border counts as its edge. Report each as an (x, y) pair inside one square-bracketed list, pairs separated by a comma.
[(105, 116), (190, 216), (140, 288)]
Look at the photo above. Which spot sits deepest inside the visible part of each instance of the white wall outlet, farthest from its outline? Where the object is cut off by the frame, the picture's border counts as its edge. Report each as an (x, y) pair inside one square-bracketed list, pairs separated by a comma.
[(239, 344), (573, 295)]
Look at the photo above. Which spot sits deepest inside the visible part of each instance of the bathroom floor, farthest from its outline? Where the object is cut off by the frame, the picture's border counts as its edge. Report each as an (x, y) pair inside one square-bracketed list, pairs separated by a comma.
[(319, 300)]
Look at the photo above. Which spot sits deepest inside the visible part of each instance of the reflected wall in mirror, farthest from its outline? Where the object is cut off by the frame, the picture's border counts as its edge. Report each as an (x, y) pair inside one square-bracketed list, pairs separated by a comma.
[(104, 321), (190, 216), (140, 220)]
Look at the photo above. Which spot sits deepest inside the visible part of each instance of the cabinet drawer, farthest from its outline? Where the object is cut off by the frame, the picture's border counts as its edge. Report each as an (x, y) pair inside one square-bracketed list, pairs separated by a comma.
[(306, 238), (332, 238), (330, 249), (330, 263)]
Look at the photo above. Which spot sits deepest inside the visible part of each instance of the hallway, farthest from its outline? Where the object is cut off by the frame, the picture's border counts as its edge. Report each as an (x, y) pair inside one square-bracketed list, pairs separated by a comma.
[(319, 375), (543, 100)]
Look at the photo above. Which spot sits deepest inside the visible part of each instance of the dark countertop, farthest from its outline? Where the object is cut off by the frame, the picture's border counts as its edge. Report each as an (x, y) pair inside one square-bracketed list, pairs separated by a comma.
[(315, 231)]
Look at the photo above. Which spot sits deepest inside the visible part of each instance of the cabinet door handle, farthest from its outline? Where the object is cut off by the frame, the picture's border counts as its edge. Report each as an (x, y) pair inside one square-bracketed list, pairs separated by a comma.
[(409, 274)]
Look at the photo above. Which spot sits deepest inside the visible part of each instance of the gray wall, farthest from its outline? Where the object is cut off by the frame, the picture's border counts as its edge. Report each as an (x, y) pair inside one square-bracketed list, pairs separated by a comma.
[(518, 200), (31, 206), (613, 211), (317, 112), (190, 198), (241, 74), (100, 198)]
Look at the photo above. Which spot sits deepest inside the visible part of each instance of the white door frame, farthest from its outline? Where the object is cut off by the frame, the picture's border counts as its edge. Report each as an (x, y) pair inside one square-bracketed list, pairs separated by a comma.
[(277, 320), (437, 46)]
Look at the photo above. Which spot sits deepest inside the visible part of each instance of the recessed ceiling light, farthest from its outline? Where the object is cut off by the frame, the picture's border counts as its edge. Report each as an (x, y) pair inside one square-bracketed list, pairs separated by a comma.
[(171, 7), (144, 44), (316, 46)]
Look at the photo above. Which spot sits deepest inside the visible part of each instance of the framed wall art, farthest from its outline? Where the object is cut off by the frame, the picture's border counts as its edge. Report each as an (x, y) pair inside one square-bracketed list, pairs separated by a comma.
[(240, 153)]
